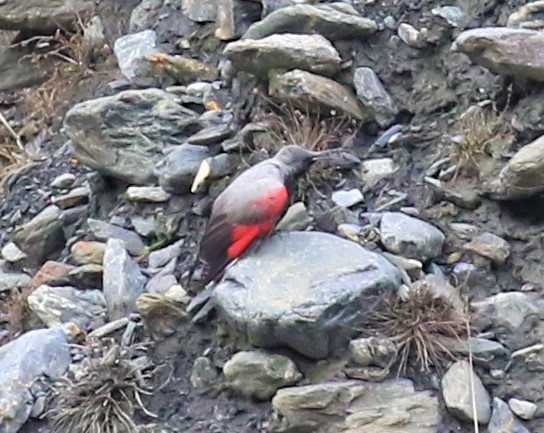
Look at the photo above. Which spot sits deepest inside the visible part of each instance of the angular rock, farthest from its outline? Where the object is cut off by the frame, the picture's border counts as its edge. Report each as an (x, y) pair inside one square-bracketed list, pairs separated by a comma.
[(457, 393), (347, 198), (509, 309), (453, 15), (37, 17), (304, 89), (491, 246), (410, 35), (523, 408), (503, 420), (51, 273), (178, 169), (357, 406), (87, 277), (513, 52), (181, 69), (42, 235), (12, 254), (523, 175), (285, 292), (88, 252), (528, 16), (13, 280), (34, 354), (132, 51), (144, 226), (58, 305), (329, 20), (103, 231), (212, 135), (161, 257), (374, 170), (270, 6), (153, 194), (372, 94), (75, 197), (199, 11), (18, 70), (62, 181), (123, 281), (259, 375), (311, 53), (122, 135), (410, 237), (296, 218), (161, 283)]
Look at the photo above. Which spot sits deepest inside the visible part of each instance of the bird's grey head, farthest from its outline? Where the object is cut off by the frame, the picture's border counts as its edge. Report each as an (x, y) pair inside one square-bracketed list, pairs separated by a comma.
[(295, 160)]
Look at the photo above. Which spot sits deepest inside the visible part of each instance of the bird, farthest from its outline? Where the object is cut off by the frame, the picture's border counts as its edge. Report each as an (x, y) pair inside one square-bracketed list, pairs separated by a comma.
[(249, 208)]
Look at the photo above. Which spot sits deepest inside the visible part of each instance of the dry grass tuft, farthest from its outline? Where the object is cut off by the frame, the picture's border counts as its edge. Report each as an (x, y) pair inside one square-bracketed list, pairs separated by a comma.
[(425, 328), (477, 128), (15, 313), (105, 394)]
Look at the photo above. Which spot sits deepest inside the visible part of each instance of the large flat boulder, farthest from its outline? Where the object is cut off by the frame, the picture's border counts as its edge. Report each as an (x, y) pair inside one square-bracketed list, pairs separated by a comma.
[(303, 290), (123, 135)]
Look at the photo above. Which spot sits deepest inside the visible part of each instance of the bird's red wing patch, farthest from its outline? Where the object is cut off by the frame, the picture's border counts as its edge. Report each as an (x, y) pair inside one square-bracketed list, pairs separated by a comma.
[(244, 235), (273, 202)]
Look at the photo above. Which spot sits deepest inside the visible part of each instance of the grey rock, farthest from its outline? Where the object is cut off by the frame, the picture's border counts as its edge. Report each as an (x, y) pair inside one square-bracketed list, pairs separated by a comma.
[(18, 70), (270, 6), (457, 393), (211, 135), (506, 51), (144, 226), (296, 218), (13, 280), (88, 252), (374, 170), (177, 170), (373, 351), (94, 37), (86, 277), (410, 237), (58, 305), (132, 51), (347, 198), (123, 281), (259, 375), (324, 19), (200, 11), (483, 351), (42, 235), (203, 374), (234, 17), (410, 35), (161, 283), (509, 309), (372, 94), (62, 181), (307, 275), (304, 89), (37, 17), (523, 408), (523, 175), (122, 135), (12, 253), (153, 194), (37, 353), (75, 197), (161, 257), (453, 15), (529, 16), (350, 231), (489, 245), (144, 15), (104, 231), (503, 420), (352, 406), (312, 53)]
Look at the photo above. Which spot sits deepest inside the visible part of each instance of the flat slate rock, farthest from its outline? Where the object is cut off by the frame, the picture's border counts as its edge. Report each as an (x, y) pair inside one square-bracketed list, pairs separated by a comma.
[(303, 290)]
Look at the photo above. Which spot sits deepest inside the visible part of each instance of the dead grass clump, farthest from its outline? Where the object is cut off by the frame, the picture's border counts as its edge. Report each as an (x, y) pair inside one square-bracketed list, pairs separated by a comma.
[(15, 313), (425, 328), (104, 394), (477, 128)]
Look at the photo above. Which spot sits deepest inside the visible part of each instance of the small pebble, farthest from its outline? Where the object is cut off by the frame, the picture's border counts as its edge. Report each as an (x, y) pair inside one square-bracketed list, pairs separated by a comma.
[(523, 408), (347, 198), (12, 253), (154, 194), (63, 181)]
